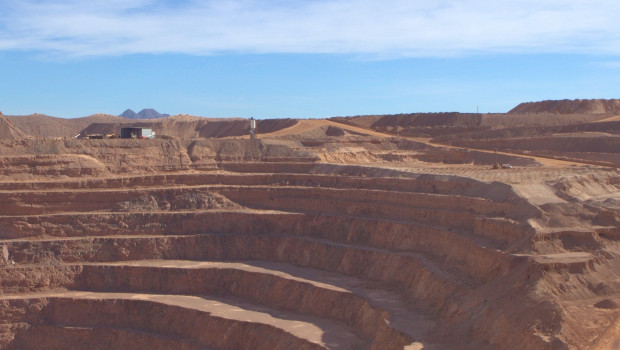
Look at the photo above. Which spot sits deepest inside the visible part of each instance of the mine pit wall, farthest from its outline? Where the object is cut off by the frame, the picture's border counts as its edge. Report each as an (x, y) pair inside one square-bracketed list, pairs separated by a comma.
[(129, 315), (503, 232), (75, 158), (388, 204), (116, 156), (494, 316), (593, 271), (439, 292), (585, 149), (382, 267), (446, 245), (492, 196), (503, 317), (551, 144), (254, 196), (138, 224), (332, 201), (41, 203), (464, 156), (288, 294), (567, 285), (318, 176), (261, 236), (567, 241), (376, 233), (58, 157), (50, 165), (224, 248), (52, 337)]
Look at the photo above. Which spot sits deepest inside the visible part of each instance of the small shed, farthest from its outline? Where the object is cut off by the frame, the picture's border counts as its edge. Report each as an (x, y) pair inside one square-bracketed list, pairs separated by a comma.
[(137, 133)]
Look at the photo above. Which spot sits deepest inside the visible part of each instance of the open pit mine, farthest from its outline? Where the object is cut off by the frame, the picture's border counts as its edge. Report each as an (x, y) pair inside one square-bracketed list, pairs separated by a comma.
[(412, 231)]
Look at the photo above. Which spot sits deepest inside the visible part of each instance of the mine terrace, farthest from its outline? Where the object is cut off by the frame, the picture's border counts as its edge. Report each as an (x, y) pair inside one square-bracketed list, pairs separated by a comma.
[(411, 231)]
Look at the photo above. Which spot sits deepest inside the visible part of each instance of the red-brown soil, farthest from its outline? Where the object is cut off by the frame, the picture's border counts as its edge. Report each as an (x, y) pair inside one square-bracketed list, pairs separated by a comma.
[(320, 234)]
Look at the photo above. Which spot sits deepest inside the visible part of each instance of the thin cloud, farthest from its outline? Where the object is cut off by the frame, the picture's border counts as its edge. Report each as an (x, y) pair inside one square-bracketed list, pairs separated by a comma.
[(387, 29), (608, 64)]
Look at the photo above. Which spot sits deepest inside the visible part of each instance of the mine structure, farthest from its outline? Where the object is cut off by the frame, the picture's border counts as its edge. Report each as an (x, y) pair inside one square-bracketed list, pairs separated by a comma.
[(252, 129), (137, 133)]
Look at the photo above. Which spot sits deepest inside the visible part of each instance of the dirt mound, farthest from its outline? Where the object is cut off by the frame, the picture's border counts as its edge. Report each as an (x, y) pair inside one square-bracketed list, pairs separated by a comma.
[(8, 131), (334, 131), (607, 304), (597, 106), (41, 126)]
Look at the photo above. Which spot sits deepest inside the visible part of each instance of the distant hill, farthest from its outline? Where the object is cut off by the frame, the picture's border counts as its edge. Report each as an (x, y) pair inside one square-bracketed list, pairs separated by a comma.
[(147, 113), (40, 125), (598, 106)]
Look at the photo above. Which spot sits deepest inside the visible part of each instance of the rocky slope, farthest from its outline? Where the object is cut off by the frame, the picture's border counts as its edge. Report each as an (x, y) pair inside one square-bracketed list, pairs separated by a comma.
[(8, 130)]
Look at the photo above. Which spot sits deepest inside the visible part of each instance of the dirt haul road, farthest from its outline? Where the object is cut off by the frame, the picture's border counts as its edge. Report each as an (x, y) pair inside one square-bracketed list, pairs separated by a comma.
[(308, 124)]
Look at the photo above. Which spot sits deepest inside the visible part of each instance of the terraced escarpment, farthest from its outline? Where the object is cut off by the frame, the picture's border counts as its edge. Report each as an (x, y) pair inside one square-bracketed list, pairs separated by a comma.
[(303, 255)]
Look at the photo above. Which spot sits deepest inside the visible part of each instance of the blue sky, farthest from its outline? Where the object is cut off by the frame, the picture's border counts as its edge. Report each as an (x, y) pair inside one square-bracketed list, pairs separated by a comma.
[(303, 58)]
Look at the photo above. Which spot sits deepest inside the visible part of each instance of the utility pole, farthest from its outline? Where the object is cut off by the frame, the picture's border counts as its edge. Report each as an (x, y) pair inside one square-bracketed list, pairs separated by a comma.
[(252, 129)]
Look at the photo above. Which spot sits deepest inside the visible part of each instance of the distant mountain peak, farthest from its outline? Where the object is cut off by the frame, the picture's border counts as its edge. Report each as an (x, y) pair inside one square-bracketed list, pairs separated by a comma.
[(146, 113), (129, 113)]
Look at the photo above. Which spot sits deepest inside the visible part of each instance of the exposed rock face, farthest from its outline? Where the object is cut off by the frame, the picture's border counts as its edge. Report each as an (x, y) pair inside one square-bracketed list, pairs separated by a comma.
[(597, 106)]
